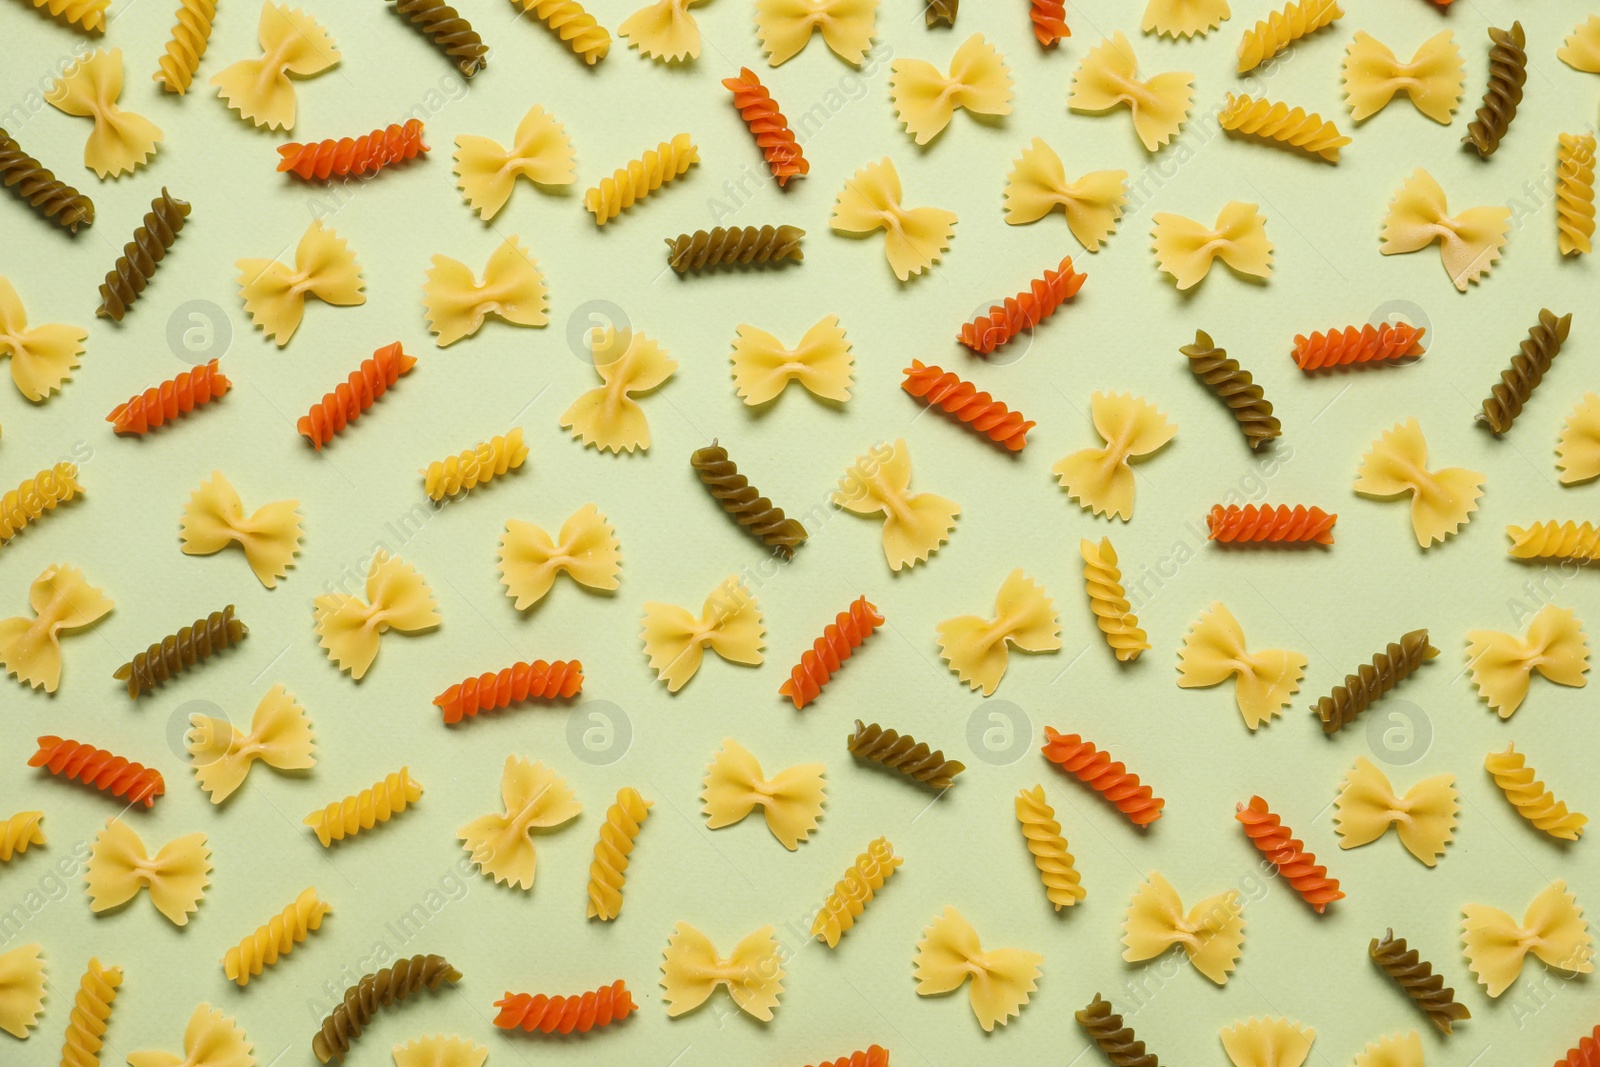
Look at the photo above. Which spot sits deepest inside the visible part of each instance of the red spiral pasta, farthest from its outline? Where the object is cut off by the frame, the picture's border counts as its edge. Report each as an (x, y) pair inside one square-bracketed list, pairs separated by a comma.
[(176, 396), (962, 399), (563, 1015), (104, 770), (1586, 1054), (520, 681), (844, 634), (1049, 18), (350, 398), (1233, 524), (874, 1056), (1298, 867), (353, 155), (1096, 770), (767, 125), (1365, 344), (1026, 310)]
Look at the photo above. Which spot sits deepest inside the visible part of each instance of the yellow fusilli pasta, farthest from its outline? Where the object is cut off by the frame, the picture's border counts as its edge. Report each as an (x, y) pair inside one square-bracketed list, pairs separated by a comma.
[(362, 811), (850, 895), (641, 177), (44, 492), (1283, 28), (1529, 796), (1575, 192), (610, 867), (275, 938), (1043, 834), (1109, 602), (1292, 127), (474, 466), (576, 27), (18, 832), (91, 1008), (190, 34)]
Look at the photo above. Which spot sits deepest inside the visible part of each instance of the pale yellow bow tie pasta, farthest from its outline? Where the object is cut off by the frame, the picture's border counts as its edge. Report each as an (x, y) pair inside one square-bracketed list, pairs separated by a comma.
[(1211, 934), (121, 140), (1267, 1042), (62, 600), (1553, 929), (1038, 184), (949, 954), (1396, 1050), (1579, 448), (1581, 49), (540, 151), (211, 1039), (280, 736), (1214, 650), (914, 524), (729, 624), (1108, 78), (1367, 806), (176, 876), (784, 27), (691, 970), (512, 290), (440, 1050), (627, 362), (1469, 243), (535, 798), (822, 363), (397, 599), (1433, 79), (977, 649), (1397, 464), (1099, 479), (530, 559), (42, 357), (1184, 18), (925, 99), (214, 518), (791, 801), (275, 294), (21, 989), (292, 42), (914, 238), (1186, 249), (1503, 664), (664, 31)]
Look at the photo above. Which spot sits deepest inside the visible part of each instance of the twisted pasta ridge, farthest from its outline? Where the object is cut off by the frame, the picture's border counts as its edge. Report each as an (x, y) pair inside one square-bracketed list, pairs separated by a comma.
[(1049, 18), (960, 398), (161, 404), (740, 499), (1095, 769), (521, 681), (1236, 525), (185, 45), (1361, 690), (362, 811), (1109, 601), (45, 491), (852, 893), (827, 653), (872, 1055), (91, 1011), (1288, 854), (564, 1015), (1585, 1054), (474, 466), (744, 245), (1366, 344), (904, 753), (141, 256), (350, 398), (18, 832), (941, 12), (36, 185), (1508, 72), (1294, 127), (1024, 311), (345, 156), (641, 177), (1416, 979), (450, 33), (1055, 864), (106, 771), (182, 651), (1555, 540), (1529, 796), (576, 27), (1118, 1042), (609, 869), (1574, 192), (275, 938), (1283, 28), (86, 15), (361, 1002), (768, 126), (1527, 370), (1235, 387)]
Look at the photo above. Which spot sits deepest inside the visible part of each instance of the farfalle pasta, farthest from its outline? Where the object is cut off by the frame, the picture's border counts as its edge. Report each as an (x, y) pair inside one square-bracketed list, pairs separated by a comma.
[(121, 141), (1535, 803), (925, 99), (691, 970), (535, 798), (822, 363), (292, 43), (914, 238), (628, 362), (211, 1039), (609, 868), (486, 172), (1503, 664), (1184, 18), (1578, 451), (664, 30), (42, 357), (398, 598), (275, 294), (914, 524), (1211, 934), (358, 812), (1553, 929), (1214, 650), (1469, 243), (1186, 249), (280, 736), (1100, 479), (176, 876), (21, 989), (214, 518), (512, 290), (1442, 501), (1038, 185), (735, 785), (949, 953), (1267, 1042), (62, 601), (440, 1050), (275, 938), (1433, 79), (585, 550), (1367, 806), (1581, 49), (1396, 1050), (1108, 77), (977, 649), (784, 27), (729, 625)]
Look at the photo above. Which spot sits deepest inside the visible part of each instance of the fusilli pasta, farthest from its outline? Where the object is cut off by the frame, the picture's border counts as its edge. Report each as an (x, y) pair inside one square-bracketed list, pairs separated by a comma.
[(1555, 540), (1221, 374), (186, 44), (1109, 602), (45, 491), (1282, 524), (962, 399), (1283, 28), (1508, 72), (1574, 192), (1288, 855), (378, 803), (181, 651), (565, 1015), (1041, 831), (1397, 662), (521, 681), (768, 126), (739, 245), (827, 653), (361, 1002), (1116, 1041), (905, 754), (1277, 122), (275, 938), (91, 1011), (1095, 769), (1527, 370), (375, 376), (1024, 311), (451, 34), (18, 832), (744, 503), (568, 20), (472, 467), (1416, 979), (86, 15), (641, 177), (1366, 344), (35, 185), (852, 893), (1533, 801), (173, 398), (345, 156), (105, 771), (131, 273), (609, 869)]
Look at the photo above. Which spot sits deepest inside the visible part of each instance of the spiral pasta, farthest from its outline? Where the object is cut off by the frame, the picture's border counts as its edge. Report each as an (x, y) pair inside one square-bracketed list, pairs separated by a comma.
[(105, 771), (736, 496), (1222, 375), (1057, 869), (1574, 192), (852, 893), (1049, 18), (18, 832), (181, 651), (86, 15), (1283, 28), (1527, 370), (742, 245), (141, 256), (641, 177), (1095, 769), (609, 869), (1367, 344), (1288, 854), (365, 386), (37, 186), (1109, 602), (768, 126), (175, 397), (1416, 979), (1508, 72), (1024, 311), (45, 491), (1397, 662), (905, 754), (1585, 1053), (577, 28), (474, 466), (875, 1055), (382, 801), (962, 399), (1528, 795), (451, 34), (565, 1015), (186, 44), (275, 938), (1555, 540), (348, 156), (380, 989), (1116, 1041), (91, 1011), (827, 654), (941, 12), (1281, 124), (1240, 525), (521, 681)]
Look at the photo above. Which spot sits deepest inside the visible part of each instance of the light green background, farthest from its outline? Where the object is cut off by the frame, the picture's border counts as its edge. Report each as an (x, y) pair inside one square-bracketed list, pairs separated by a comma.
[(1122, 332)]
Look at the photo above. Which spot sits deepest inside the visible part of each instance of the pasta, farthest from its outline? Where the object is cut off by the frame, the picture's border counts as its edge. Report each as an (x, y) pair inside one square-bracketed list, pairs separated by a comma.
[(121, 141), (1100, 479), (664, 30), (1024, 311), (784, 27), (292, 43), (62, 601), (347, 156), (1288, 855), (1282, 524), (1184, 18), (1396, 1050), (106, 771), (451, 34), (914, 524), (1003, 979), (1278, 123), (1555, 540), (1442, 501), (37, 186), (961, 399), (609, 869), (364, 387), (1527, 370), (1235, 387), (608, 417), (1434, 79), (1037, 185), (977, 649), (16, 834), (175, 397), (1574, 192), (641, 177), (211, 1039), (1042, 833), (822, 363), (186, 44), (564, 1015), (729, 624), (735, 785), (501, 846), (827, 653), (1095, 769), (398, 598), (275, 938), (941, 12), (1263, 682), (1584, 1052), (440, 1051), (742, 245), (1503, 664), (269, 536), (44, 492), (176, 876), (1367, 805), (91, 1010), (86, 15), (852, 893), (1117, 1041), (1554, 930), (140, 257), (872, 1055), (21, 989), (1109, 601), (733, 491), (1267, 1042), (392, 985), (1416, 979), (472, 467), (1579, 449), (768, 126), (513, 290), (521, 681), (1186, 249), (1397, 662), (1049, 22), (275, 295), (280, 736), (1581, 49), (1283, 28), (486, 173), (1528, 795), (1508, 72), (42, 357), (586, 551), (1367, 344), (1469, 243), (1108, 77), (380, 802), (925, 100), (914, 238), (1211, 934), (691, 971), (577, 28), (905, 754)]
